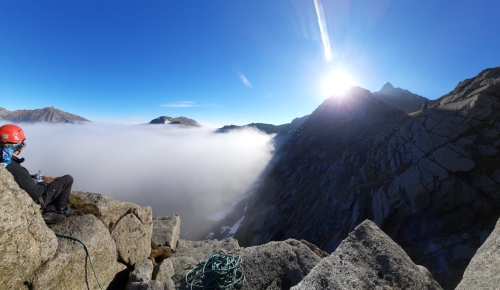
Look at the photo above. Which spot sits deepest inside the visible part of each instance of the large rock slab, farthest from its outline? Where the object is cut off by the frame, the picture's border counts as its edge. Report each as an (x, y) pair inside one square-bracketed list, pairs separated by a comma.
[(190, 253), (130, 237), (270, 266), (125, 221), (368, 259), (70, 267), (277, 265), (166, 231), (483, 271), (26, 242)]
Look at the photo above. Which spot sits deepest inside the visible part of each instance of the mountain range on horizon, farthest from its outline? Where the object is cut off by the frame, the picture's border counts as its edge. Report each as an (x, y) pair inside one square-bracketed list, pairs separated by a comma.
[(44, 115), (397, 97)]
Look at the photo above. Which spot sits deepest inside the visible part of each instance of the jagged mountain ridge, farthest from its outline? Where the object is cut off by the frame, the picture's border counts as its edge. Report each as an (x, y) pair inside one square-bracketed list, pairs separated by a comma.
[(399, 98), (46, 115), (430, 180), (284, 129), (175, 121)]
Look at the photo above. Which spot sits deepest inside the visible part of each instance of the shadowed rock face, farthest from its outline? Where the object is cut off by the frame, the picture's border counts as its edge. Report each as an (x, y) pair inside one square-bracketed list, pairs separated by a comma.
[(429, 180), (47, 115)]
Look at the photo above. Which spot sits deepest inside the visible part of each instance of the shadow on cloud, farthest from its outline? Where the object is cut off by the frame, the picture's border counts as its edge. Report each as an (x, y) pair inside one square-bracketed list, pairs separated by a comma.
[(191, 172)]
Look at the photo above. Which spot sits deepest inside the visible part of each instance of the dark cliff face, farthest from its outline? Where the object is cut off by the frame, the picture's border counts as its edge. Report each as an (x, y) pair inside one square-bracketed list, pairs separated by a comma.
[(404, 100), (46, 115), (431, 180)]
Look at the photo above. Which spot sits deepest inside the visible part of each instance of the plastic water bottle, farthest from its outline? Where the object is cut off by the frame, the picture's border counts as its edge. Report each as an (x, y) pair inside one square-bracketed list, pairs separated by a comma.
[(39, 176)]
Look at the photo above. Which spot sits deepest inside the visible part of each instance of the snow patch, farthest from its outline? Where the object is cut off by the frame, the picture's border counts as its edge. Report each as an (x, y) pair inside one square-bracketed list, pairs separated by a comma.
[(234, 228)]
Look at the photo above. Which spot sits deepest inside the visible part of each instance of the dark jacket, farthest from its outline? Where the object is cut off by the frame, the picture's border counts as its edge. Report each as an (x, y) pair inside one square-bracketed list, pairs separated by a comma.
[(25, 181)]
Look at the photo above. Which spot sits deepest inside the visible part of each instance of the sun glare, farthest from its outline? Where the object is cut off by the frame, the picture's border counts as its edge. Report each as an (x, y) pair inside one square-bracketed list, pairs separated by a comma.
[(337, 83)]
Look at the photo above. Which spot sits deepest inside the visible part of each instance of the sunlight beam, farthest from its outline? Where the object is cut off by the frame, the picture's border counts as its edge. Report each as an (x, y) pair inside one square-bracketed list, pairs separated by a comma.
[(323, 30)]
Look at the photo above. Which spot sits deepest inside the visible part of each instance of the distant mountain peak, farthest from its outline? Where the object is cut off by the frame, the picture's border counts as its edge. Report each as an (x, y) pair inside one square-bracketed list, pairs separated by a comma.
[(45, 115), (387, 87), (399, 98), (175, 121)]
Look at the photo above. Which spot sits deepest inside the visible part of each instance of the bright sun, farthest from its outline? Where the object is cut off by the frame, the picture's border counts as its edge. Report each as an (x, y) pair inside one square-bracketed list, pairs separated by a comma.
[(337, 83)]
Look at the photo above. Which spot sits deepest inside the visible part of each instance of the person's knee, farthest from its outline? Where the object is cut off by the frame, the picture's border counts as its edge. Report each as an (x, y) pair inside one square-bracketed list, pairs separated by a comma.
[(68, 178)]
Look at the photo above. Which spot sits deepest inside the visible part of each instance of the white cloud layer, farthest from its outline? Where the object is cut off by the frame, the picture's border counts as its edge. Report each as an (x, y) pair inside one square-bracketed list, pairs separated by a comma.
[(191, 172)]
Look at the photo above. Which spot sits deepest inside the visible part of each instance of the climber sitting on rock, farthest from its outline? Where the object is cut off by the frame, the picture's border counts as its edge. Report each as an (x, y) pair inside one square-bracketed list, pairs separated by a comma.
[(52, 197)]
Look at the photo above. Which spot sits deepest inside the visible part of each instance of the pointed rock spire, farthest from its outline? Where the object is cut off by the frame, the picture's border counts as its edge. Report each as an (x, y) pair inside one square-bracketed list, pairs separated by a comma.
[(387, 87)]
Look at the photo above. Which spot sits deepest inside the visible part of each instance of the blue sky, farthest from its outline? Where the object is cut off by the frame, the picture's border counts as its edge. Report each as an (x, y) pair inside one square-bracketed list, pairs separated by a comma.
[(232, 62)]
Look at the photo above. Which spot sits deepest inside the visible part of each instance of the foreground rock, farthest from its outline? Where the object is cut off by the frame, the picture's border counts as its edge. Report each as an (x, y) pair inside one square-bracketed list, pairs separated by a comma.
[(25, 241), (277, 265), (70, 267), (141, 276), (127, 222), (190, 253), (166, 231), (483, 272), (368, 259)]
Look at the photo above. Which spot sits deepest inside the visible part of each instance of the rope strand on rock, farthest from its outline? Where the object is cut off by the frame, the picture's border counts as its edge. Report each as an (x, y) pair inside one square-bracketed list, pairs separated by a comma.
[(219, 271), (86, 250)]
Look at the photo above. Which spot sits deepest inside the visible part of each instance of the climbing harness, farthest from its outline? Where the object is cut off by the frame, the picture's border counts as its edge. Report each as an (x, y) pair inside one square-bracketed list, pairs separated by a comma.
[(86, 250), (219, 271)]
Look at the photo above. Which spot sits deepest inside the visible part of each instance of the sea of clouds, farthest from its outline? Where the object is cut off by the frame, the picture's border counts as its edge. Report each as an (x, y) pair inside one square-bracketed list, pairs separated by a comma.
[(191, 172)]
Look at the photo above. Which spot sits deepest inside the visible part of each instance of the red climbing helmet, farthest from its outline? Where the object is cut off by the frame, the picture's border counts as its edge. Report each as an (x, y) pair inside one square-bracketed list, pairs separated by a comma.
[(10, 133)]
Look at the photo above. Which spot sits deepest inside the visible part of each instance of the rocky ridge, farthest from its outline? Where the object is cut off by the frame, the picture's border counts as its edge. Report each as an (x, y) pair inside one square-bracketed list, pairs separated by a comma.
[(45, 115), (430, 180), (284, 129)]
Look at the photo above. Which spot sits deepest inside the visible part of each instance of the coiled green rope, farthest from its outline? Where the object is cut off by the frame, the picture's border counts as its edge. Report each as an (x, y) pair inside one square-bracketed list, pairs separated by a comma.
[(86, 250), (219, 271)]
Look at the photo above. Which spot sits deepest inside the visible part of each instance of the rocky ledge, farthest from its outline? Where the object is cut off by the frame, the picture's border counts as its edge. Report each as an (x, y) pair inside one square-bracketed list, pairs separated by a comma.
[(132, 250)]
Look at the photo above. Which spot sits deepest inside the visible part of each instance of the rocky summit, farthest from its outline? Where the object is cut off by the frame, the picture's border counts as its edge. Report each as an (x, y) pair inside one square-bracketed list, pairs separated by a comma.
[(45, 115), (430, 180)]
